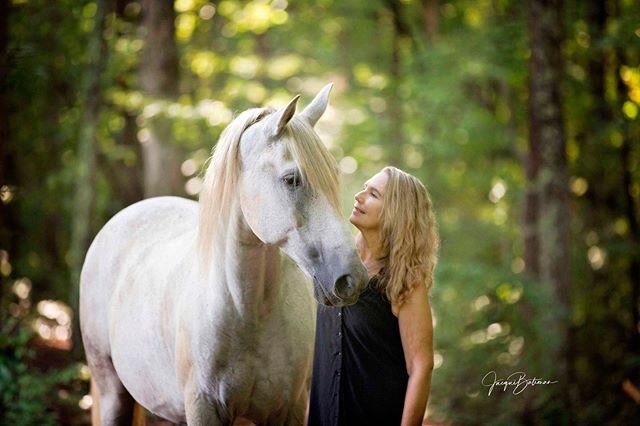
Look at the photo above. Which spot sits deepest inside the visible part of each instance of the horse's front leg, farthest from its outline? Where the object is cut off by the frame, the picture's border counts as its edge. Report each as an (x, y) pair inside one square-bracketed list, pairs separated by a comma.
[(201, 412)]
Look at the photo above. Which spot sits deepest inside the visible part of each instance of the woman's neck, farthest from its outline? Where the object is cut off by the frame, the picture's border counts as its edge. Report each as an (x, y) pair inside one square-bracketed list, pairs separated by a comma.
[(370, 248)]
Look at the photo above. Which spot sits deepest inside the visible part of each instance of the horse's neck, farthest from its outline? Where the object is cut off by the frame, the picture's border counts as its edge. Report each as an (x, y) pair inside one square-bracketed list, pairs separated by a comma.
[(249, 268)]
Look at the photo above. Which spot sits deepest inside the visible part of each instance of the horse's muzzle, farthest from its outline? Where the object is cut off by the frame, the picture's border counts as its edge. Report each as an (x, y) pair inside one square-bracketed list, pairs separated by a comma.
[(342, 291), (346, 288)]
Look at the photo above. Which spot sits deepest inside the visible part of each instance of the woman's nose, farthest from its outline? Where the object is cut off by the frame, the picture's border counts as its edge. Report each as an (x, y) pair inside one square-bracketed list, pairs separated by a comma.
[(358, 196)]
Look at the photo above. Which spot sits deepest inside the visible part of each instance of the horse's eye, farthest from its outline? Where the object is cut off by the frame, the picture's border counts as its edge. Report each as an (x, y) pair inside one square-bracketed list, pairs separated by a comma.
[(292, 180)]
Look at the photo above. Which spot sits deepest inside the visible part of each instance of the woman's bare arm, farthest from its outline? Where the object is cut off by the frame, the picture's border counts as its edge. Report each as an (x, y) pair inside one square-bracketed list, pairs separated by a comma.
[(416, 332)]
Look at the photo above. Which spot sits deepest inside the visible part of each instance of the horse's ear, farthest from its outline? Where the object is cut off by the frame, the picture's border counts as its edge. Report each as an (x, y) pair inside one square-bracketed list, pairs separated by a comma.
[(315, 109), (285, 114)]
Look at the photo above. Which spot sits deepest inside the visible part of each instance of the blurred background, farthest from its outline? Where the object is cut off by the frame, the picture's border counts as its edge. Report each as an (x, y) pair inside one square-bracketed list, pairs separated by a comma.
[(521, 117)]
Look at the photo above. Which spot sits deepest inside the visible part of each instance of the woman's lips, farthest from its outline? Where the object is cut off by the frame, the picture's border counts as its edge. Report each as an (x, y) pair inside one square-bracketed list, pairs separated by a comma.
[(357, 210)]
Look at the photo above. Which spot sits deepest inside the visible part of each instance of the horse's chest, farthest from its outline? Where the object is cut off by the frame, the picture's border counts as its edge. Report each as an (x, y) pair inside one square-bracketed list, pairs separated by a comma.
[(265, 371)]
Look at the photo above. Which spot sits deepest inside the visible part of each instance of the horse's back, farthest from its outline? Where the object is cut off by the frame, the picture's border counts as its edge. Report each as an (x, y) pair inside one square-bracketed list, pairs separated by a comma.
[(145, 223), (125, 241), (152, 219)]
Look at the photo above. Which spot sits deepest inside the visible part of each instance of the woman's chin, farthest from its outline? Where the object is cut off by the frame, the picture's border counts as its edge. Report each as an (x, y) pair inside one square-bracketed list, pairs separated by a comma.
[(355, 220)]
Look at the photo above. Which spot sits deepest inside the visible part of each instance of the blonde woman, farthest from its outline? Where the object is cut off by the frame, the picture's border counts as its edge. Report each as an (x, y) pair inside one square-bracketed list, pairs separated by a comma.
[(373, 360)]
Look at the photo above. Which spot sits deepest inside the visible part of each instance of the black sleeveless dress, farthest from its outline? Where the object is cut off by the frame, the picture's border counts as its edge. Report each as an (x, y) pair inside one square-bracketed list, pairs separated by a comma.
[(359, 370)]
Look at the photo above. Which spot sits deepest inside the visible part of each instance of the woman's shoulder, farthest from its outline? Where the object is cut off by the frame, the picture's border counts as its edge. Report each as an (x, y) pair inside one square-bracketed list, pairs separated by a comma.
[(416, 302)]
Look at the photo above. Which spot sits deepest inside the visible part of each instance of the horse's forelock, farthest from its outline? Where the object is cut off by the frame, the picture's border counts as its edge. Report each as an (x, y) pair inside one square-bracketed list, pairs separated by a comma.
[(317, 166)]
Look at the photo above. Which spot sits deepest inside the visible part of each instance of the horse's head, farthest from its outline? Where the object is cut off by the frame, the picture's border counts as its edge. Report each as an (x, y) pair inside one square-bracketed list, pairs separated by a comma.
[(287, 188)]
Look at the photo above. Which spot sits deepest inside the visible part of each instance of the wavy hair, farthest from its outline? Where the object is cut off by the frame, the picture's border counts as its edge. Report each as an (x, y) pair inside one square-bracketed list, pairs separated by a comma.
[(410, 240)]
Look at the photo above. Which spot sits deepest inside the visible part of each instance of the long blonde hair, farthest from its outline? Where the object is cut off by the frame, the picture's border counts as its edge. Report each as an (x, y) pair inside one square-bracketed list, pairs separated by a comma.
[(410, 240)]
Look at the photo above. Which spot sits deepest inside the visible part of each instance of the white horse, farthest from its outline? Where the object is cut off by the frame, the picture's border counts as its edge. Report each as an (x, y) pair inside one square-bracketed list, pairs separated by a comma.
[(194, 312)]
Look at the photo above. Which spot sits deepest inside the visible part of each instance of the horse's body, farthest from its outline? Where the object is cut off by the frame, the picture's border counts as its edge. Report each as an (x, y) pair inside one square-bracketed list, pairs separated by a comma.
[(205, 328), (148, 251)]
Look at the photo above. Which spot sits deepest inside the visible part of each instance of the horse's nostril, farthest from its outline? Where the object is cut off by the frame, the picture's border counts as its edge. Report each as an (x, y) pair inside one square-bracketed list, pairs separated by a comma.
[(344, 286), (313, 253)]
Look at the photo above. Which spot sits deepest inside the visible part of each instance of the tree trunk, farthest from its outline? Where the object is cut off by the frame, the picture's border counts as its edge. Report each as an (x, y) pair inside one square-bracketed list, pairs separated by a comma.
[(531, 210), (4, 85), (127, 178), (634, 229), (9, 223), (630, 134), (548, 139), (430, 19), (159, 82), (532, 205), (605, 111), (86, 159), (7, 169), (395, 132)]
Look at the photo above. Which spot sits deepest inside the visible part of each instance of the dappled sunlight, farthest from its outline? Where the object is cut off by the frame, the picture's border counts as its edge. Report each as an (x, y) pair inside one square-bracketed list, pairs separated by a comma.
[(204, 63), (6, 194), (5, 265), (282, 67), (621, 226), (54, 324), (579, 186), (481, 302), (509, 293), (478, 337), (185, 25), (497, 330), (631, 77), (412, 156), (355, 116), (498, 190), (189, 167), (207, 11), (630, 110), (366, 76), (597, 257), (193, 186), (86, 402), (517, 265), (22, 288), (255, 16), (245, 66), (496, 214), (438, 359), (348, 165), (516, 345), (215, 112), (377, 105)]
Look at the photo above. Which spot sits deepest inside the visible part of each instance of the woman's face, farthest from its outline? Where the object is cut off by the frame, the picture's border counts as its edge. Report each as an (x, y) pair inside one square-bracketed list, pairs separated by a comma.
[(368, 204)]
